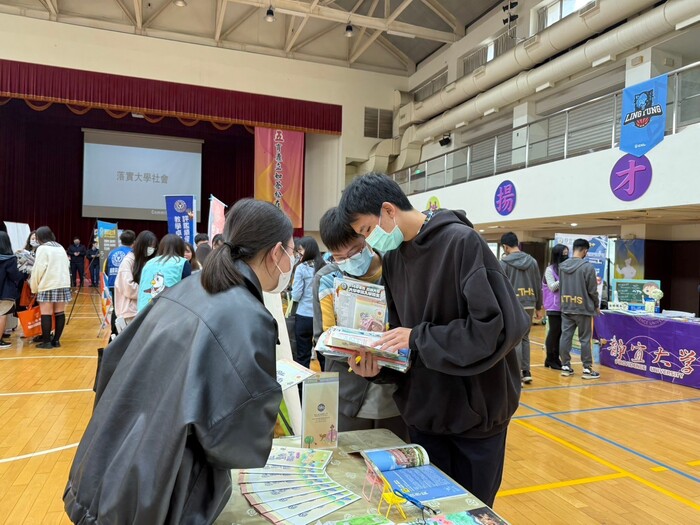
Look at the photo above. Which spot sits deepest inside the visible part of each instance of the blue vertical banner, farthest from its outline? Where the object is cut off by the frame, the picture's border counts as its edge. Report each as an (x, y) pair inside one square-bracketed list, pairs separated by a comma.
[(107, 237), (643, 116), (181, 216)]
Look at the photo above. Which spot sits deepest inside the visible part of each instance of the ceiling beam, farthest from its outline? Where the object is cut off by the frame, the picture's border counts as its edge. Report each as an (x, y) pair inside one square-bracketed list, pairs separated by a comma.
[(51, 7), (451, 20), (315, 36), (157, 13), (363, 30), (400, 55), (298, 8), (138, 11), (128, 14), (239, 22), (367, 43), (220, 14), (290, 42)]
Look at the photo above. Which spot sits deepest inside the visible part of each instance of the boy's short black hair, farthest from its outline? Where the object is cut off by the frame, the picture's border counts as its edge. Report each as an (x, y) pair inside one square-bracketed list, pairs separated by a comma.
[(200, 237), (335, 232), (509, 239), (582, 244), (366, 194), (127, 237)]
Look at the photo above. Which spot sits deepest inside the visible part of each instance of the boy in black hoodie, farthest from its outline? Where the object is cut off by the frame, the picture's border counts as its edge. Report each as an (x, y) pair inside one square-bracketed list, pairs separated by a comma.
[(451, 304)]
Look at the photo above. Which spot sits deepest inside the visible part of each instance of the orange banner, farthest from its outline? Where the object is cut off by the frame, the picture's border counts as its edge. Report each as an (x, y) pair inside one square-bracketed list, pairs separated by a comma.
[(279, 170)]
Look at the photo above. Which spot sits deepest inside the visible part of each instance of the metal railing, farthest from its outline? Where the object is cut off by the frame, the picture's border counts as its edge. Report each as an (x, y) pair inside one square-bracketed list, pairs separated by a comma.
[(585, 128)]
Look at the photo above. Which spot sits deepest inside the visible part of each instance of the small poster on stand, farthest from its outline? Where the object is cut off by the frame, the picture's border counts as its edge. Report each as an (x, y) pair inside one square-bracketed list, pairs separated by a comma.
[(319, 407)]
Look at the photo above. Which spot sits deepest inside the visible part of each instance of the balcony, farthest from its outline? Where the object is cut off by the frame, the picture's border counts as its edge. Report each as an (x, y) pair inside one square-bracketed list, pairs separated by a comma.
[(585, 128)]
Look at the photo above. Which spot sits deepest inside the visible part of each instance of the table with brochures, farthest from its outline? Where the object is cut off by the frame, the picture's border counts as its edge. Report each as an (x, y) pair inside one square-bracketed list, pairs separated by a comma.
[(348, 469)]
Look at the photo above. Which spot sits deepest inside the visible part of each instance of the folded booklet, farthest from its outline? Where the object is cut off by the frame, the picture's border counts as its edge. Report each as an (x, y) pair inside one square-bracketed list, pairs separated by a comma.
[(347, 342), (408, 470)]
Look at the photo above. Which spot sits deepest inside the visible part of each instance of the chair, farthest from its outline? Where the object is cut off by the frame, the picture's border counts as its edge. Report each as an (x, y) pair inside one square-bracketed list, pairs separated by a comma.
[(391, 499)]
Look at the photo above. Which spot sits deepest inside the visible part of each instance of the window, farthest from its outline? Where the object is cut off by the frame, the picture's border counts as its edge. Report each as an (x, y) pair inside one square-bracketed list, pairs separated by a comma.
[(550, 14), (499, 45), (379, 123), (431, 87)]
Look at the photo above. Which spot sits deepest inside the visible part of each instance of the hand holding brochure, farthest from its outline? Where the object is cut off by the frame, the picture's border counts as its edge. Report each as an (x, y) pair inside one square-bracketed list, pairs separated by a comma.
[(408, 470), (348, 342)]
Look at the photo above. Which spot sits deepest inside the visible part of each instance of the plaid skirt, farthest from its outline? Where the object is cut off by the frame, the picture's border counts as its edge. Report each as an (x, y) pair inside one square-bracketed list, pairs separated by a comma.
[(59, 295)]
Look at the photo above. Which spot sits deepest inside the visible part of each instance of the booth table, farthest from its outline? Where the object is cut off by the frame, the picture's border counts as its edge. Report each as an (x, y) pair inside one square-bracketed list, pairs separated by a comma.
[(650, 346), (349, 470)]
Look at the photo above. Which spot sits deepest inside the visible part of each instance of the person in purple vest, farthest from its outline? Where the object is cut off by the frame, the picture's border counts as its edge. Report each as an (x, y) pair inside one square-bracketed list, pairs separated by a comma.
[(552, 305)]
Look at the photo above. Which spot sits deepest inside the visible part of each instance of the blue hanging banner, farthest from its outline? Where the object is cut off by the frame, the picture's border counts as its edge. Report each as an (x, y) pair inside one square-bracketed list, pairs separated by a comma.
[(643, 116), (181, 213)]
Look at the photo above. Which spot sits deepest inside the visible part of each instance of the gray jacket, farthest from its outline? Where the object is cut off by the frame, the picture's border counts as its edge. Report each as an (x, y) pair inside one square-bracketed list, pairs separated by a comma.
[(185, 393), (578, 287), (524, 274)]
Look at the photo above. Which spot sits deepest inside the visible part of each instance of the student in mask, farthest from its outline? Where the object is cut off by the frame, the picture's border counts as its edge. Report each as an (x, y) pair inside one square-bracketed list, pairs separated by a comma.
[(450, 302), (126, 284), (362, 405), (552, 304), (188, 390)]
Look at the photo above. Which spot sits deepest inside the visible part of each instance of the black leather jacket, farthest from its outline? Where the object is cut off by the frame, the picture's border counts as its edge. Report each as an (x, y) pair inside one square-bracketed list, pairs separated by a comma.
[(186, 393)]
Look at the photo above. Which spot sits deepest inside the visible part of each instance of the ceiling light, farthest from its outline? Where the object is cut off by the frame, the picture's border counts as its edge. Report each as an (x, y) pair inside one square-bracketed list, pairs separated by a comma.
[(481, 231), (180, 3), (348, 31), (270, 15), (574, 224)]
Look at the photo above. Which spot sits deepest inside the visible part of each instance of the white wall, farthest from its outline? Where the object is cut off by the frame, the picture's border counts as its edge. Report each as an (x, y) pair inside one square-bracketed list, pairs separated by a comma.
[(580, 185), (58, 44), (321, 191), (478, 34)]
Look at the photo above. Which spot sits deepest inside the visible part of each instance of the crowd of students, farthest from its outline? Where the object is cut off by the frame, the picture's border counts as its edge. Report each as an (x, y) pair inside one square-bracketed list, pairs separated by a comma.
[(187, 390), (567, 293)]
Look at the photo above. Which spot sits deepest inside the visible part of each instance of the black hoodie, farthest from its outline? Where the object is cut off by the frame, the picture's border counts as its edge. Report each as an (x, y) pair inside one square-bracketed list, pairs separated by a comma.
[(449, 288)]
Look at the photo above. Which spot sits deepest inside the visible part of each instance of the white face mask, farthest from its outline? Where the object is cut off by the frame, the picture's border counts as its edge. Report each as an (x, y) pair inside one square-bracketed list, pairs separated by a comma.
[(150, 251), (285, 277), (34, 243)]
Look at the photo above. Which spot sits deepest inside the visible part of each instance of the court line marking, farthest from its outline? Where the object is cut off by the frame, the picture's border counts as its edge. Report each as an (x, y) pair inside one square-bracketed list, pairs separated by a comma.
[(39, 453), (659, 469), (560, 484), (615, 444), (612, 466), (538, 389), (8, 394), (694, 463), (49, 357), (601, 409)]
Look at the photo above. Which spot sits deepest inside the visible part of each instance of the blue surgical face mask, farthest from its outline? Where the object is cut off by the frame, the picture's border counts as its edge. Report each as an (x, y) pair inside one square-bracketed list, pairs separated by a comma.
[(383, 241), (358, 264)]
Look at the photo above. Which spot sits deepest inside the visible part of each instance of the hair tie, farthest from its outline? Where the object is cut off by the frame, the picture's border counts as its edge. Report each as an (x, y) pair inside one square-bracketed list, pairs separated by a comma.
[(236, 251)]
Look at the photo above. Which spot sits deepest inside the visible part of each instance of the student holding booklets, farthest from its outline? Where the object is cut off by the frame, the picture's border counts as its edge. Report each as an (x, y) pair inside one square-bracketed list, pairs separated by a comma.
[(451, 304), (362, 404), (188, 390)]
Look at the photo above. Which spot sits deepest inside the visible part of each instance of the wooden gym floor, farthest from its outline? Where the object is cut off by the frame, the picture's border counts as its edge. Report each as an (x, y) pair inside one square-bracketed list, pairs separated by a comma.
[(619, 450)]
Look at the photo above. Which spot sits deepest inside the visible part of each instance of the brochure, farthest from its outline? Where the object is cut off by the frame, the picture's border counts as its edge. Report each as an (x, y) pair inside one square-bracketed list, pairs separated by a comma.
[(359, 304), (407, 469), (480, 516), (290, 373), (319, 411), (347, 342), (299, 457)]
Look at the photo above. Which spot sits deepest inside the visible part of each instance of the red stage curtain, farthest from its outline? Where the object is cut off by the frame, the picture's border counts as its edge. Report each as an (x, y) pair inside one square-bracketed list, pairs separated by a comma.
[(41, 166), (127, 94)]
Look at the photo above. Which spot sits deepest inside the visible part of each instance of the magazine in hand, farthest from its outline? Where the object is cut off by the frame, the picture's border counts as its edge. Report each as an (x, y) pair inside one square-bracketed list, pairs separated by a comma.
[(408, 470), (359, 304), (348, 342)]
